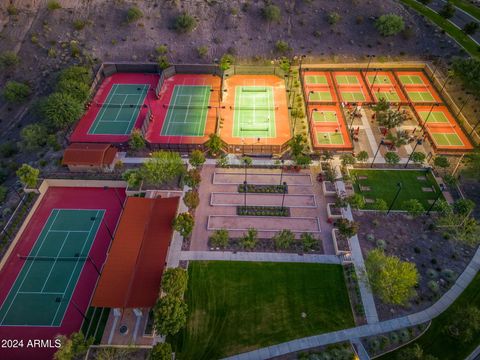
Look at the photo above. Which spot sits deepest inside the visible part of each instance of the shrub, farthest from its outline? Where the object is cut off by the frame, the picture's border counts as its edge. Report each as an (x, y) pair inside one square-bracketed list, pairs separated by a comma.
[(249, 240), (174, 282), (433, 286), (380, 205), (470, 28), (284, 239), (61, 110), (8, 149), (346, 227), (16, 92), (348, 159), (214, 144), (137, 141), (193, 178), (78, 90), (448, 275), (162, 167), (161, 49), (282, 47), (226, 61), (81, 74), (272, 13), (309, 242), (170, 315), (73, 347), (184, 23), (389, 24), (220, 238), (28, 175), (197, 158), (161, 351), (392, 158), (34, 136), (191, 199), (448, 10), (134, 14), (12, 10), (441, 162), (333, 18), (362, 156), (79, 24), (184, 223), (432, 273), (413, 207), (8, 59), (464, 324), (202, 51), (381, 244), (413, 352), (356, 200), (53, 5), (418, 157), (133, 178), (163, 62)]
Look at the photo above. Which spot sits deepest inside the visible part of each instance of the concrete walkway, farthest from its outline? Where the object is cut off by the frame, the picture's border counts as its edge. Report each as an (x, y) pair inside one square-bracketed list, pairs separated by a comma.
[(475, 355), (259, 256), (371, 329), (360, 349)]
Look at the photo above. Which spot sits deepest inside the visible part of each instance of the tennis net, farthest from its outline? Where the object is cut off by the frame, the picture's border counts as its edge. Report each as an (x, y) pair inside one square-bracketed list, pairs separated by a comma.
[(272, 108), (120, 106), (254, 89), (53, 258), (186, 107)]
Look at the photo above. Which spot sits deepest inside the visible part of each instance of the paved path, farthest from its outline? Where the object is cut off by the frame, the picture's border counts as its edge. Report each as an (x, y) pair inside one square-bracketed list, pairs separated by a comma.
[(361, 352), (475, 355), (260, 199), (259, 256), (263, 223), (371, 329), (371, 138)]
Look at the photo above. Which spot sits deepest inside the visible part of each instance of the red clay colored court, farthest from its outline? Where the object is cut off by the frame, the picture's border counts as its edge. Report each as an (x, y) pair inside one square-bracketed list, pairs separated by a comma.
[(49, 277)]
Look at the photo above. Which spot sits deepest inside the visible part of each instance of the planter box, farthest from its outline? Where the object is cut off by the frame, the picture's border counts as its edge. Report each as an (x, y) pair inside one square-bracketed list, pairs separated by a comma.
[(329, 188), (263, 211), (331, 213), (341, 246)]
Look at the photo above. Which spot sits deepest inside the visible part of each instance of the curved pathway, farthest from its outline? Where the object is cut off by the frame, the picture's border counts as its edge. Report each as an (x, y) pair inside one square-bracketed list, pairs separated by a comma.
[(372, 329)]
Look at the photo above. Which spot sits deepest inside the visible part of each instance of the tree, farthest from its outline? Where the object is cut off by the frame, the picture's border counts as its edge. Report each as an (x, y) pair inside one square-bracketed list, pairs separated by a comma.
[(282, 47), (133, 178), (34, 136), (380, 205), (448, 10), (220, 238), (184, 223), (214, 144), (163, 166), (347, 159), (249, 240), (163, 62), (174, 282), (161, 351), (184, 23), (357, 201), (413, 207), (389, 24), (16, 92), (463, 206), (285, 64), (284, 239), (381, 106), (398, 139), (137, 142), (72, 347), (61, 110), (76, 89), (134, 14), (392, 158), (303, 160), (391, 118), (333, 18), (458, 225), (226, 61), (362, 156), (418, 157), (391, 279), (80, 74), (170, 315), (28, 176), (470, 28), (309, 242), (193, 178), (297, 145), (346, 227), (414, 352), (197, 158), (441, 162), (272, 13), (8, 60), (191, 199), (464, 323)]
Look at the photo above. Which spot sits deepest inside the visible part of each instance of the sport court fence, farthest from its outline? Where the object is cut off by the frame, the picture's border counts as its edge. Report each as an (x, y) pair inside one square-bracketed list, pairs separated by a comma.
[(255, 150)]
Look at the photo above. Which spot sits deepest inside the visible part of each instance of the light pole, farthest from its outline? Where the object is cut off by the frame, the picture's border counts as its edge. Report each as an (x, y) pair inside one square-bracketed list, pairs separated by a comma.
[(245, 166), (474, 127), (108, 229), (245, 195), (116, 195), (376, 152), (281, 171), (419, 142), (428, 116), (301, 61), (94, 265), (352, 117), (374, 79), (445, 83), (442, 188), (463, 105), (284, 192), (399, 185), (370, 57)]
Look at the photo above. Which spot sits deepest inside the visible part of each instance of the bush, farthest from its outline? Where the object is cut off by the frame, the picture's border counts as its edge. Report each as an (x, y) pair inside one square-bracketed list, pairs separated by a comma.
[(309, 242), (272, 13), (197, 158), (226, 61), (346, 227), (414, 352), (362, 156), (134, 14), (8, 149), (413, 207), (163, 62), (78, 90), (282, 47), (184, 23), (174, 282), (193, 178), (170, 315), (392, 158), (162, 167), (284, 239), (249, 240), (380, 205), (389, 24), (16, 92), (464, 324), (418, 157), (448, 10), (81, 74), (28, 176), (12, 10), (470, 28), (8, 59), (137, 141), (191, 199), (214, 144), (333, 18), (161, 351), (53, 5), (34, 136), (73, 347), (202, 51), (220, 238), (61, 110), (79, 24), (184, 223), (356, 200)]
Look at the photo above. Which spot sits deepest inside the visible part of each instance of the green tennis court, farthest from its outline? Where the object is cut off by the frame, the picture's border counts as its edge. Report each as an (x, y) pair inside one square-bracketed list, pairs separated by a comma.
[(379, 79), (420, 96), (352, 96), (330, 138), (388, 95), (324, 116), (346, 79), (43, 288), (447, 139), (410, 79), (187, 111), (119, 112), (254, 112), (320, 96), (434, 117), (316, 79)]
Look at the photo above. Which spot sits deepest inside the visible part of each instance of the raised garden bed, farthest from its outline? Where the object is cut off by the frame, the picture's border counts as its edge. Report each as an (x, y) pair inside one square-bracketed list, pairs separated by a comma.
[(329, 188), (333, 211), (354, 293), (268, 245), (273, 189), (340, 243), (263, 211)]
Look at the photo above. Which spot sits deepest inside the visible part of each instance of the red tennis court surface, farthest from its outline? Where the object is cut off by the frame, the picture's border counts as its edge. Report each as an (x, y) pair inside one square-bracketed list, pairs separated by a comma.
[(351, 87), (166, 102), (59, 198), (417, 87), (81, 132), (384, 86), (319, 87), (328, 128)]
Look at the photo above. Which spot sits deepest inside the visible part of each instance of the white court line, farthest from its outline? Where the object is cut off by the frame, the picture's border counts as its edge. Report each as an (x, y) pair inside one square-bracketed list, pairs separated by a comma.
[(102, 111), (55, 262), (136, 113)]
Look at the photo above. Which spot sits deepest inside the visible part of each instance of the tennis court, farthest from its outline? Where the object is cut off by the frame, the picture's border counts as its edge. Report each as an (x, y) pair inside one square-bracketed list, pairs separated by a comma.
[(347, 79), (254, 112), (187, 111), (379, 80), (411, 79), (320, 95), (390, 96), (119, 112), (43, 288), (316, 80), (447, 139), (324, 116), (420, 96), (352, 95), (330, 138), (434, 117)]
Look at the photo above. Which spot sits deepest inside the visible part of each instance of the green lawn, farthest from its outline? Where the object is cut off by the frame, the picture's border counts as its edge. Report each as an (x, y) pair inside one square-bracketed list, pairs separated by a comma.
[(383, 185), (240, 306), (436, 343)]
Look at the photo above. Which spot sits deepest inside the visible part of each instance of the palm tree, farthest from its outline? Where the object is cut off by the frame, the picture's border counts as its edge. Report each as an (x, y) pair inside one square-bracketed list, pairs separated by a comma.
[(391, 119)]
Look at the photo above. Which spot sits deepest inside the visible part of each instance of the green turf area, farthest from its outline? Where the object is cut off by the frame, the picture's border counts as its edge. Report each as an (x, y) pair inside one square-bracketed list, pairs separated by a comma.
[(119, 112), (352, 96), (240, 306), (435, 342), (320, 96), (434, 117), (43, 289), (383, 185), (94, 325), (254, 112), (389, 96), (330, 138), (447, 139), (420, 96), (316, 79), (347, 79), (187, 111), (410, 79), (379, 79), (324, 116)]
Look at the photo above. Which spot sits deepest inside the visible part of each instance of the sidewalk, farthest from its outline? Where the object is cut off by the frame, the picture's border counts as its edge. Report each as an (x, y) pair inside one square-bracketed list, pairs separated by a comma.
[(259, 256)]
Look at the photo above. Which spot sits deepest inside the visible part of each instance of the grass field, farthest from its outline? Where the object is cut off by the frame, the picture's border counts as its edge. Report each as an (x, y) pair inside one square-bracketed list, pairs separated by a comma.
[(383, 185), (436, 343), (240, 306)]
